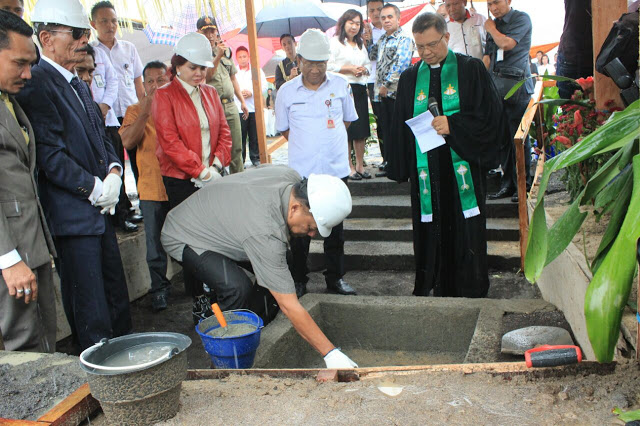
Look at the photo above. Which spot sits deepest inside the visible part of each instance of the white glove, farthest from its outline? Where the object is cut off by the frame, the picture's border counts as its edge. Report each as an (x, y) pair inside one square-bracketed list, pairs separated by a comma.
[(336, 359), (110, 193), (197, 182), (214, 175)]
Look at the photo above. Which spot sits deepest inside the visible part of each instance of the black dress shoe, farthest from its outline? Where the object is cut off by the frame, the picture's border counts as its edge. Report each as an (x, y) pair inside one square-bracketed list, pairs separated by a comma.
[(159, 302), (135, 218), (382, 174), (503, 193), (341, 287), (514, 197), (382, 167), (128, 226), (494, 172), (301, 289)]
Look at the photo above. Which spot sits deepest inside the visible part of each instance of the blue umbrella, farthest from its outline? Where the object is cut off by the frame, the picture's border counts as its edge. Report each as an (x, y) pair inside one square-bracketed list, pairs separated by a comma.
[(292, 17)]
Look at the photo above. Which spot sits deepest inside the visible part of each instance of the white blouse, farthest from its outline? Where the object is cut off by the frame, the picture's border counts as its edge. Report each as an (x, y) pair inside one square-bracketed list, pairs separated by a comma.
[(345, 54)]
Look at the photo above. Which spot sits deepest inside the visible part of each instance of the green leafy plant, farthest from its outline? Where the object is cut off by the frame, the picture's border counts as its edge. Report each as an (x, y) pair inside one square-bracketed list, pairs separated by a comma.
[(627, 416), (613, 188)]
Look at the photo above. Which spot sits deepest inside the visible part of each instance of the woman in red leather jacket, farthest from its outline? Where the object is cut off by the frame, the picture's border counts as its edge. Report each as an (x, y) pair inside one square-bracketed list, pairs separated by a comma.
[(194, 140)]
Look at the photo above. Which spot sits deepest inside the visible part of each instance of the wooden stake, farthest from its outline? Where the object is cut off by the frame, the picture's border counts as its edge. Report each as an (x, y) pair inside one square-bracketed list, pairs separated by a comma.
[(257, 84), (604, 13)]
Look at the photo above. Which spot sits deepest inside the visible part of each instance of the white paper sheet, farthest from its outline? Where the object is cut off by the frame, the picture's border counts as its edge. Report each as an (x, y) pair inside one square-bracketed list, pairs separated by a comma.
[(426, 135)]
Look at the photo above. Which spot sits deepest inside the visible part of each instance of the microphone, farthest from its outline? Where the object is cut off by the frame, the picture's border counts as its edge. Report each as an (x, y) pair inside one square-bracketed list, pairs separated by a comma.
[(433, 107)]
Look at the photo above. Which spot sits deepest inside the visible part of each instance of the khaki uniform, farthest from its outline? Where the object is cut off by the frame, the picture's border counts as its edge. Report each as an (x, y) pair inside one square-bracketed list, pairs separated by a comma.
[(221, 80)]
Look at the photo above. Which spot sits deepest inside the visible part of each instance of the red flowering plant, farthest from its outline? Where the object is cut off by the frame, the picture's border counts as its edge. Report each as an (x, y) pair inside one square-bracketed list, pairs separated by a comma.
[(573, 122)]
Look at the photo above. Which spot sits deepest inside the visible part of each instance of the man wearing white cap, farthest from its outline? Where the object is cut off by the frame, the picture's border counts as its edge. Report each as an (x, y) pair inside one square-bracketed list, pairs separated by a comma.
[(79, 176), (313, 113), (261, 210)]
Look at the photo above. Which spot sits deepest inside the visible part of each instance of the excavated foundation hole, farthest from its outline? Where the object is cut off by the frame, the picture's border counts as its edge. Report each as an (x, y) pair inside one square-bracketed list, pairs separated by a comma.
[(395, 331)]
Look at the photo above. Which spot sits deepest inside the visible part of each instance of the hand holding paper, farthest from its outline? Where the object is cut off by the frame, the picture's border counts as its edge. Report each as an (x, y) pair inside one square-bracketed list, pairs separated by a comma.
[(428, 138)]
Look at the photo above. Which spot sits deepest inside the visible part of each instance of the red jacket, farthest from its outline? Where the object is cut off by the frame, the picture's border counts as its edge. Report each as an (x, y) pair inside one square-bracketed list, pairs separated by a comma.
[(179, 148)]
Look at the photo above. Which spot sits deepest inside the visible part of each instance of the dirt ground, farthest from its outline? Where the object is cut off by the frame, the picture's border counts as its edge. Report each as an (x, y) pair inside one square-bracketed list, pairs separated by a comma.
[(424, 398)]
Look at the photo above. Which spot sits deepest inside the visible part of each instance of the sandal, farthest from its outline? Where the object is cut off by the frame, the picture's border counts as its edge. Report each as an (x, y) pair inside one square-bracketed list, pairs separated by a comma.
[(364, 175), (355, 176)]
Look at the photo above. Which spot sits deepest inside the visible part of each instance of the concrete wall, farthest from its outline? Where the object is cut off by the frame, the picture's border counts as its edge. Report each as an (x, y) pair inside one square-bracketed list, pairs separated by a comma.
[(133, 251)]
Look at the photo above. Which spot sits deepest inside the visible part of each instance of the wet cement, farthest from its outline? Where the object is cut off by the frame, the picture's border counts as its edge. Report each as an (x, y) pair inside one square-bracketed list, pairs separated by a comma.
[(31, 384), (232, 330)]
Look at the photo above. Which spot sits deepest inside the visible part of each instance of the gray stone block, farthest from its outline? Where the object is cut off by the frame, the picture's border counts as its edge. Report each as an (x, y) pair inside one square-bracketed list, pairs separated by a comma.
[(516, 342)]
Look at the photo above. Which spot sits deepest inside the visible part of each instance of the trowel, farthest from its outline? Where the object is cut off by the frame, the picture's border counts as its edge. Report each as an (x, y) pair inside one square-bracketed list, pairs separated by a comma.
[(220, 317)]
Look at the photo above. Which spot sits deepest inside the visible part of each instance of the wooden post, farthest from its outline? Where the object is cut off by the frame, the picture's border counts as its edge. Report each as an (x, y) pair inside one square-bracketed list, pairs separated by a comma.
[(604, 13), (257, 84), (518, 140)]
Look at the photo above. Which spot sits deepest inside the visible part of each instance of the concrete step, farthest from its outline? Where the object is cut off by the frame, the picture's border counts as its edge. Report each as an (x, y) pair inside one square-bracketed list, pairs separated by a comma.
[(383, 186), (398, 255), (383, 229), (399, 206)]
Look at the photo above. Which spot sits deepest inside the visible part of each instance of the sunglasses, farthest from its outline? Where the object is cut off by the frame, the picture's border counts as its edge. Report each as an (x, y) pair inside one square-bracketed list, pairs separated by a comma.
[(76, 33)]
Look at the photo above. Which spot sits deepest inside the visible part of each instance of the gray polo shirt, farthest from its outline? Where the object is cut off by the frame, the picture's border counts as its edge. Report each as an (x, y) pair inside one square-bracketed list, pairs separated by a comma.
[(243, 217), (515, 25)]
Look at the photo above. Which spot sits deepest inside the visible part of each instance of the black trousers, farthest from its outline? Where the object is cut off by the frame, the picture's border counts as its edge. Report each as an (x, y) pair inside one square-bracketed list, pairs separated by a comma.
[(379, 124), (124, 205), (333, 255), (248, 128), (515, 110), (94, 289), (179, 190), (228, 279), (385, 118), (154, 213)]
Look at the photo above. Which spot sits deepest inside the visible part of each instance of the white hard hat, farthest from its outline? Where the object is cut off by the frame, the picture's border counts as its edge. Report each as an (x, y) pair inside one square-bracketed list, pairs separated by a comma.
[(314, 46), (64, 12), (195, 48), (329, 201)]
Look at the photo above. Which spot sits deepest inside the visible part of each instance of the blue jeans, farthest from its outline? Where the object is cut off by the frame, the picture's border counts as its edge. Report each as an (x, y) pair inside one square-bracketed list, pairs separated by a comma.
[(568, 69), (154, 213)]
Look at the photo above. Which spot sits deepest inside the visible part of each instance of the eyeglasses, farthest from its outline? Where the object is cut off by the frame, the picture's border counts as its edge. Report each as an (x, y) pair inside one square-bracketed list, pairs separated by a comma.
[(76, 33), (429, 46)]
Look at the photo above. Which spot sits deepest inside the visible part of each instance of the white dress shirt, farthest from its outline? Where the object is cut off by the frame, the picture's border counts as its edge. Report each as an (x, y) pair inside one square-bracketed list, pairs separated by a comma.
[(314, 146), (245, 81), (205, 133), (469, 37), (376, 33), (105, 86), (346, 54), (126, 61)]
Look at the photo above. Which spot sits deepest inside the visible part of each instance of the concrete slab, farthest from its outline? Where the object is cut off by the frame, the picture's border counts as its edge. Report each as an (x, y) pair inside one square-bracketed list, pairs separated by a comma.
[(33, 383), (399, 206), (398, 255), (400, 229), (395, 330)]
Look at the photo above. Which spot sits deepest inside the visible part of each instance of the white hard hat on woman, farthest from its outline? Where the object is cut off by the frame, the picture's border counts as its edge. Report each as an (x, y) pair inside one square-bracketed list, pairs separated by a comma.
[(195, 48)]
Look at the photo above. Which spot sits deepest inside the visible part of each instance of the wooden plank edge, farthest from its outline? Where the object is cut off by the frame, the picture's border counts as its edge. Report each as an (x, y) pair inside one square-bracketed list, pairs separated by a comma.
[(79, 405), (497, 368), (15, 422), (273, 146)]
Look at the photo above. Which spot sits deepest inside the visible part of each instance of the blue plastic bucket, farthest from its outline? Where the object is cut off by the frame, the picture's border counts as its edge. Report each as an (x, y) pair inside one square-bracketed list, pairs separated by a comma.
[(234, 351)]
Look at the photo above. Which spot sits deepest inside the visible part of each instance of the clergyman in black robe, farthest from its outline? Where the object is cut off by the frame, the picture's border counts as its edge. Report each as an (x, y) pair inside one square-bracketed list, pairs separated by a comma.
[(451, 250)]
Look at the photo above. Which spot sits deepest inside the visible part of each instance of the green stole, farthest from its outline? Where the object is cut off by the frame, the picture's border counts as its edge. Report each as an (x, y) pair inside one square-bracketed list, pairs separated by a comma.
[(461, 168)]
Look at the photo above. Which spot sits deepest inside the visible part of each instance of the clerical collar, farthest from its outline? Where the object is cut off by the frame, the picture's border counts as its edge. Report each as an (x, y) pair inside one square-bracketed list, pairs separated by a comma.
[(440, 64)]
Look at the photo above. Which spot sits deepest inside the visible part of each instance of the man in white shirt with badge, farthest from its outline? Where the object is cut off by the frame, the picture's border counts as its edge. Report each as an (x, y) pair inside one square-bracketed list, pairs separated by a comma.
[(313, 113), (127, 64), (467, 33)]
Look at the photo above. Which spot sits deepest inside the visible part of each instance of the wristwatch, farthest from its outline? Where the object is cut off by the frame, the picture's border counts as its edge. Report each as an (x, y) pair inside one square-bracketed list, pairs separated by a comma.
[(218, 169)]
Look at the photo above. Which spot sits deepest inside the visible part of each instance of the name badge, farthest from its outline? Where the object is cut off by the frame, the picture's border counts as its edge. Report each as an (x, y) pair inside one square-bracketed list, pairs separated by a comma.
[(99, 81), (128, 81), (330, 123), (500, 55)]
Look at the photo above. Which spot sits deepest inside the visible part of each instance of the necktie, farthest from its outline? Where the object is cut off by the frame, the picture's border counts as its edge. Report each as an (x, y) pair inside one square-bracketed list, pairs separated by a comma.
[(83, 93), (9, 105)]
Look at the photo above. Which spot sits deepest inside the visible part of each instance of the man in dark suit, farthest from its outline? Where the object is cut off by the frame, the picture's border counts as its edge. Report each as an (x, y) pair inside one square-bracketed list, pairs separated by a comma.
[(79, 176), (27, 299)]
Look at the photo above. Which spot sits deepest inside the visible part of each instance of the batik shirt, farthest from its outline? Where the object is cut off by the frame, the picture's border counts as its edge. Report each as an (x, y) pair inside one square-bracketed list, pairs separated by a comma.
[(393, 54)]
